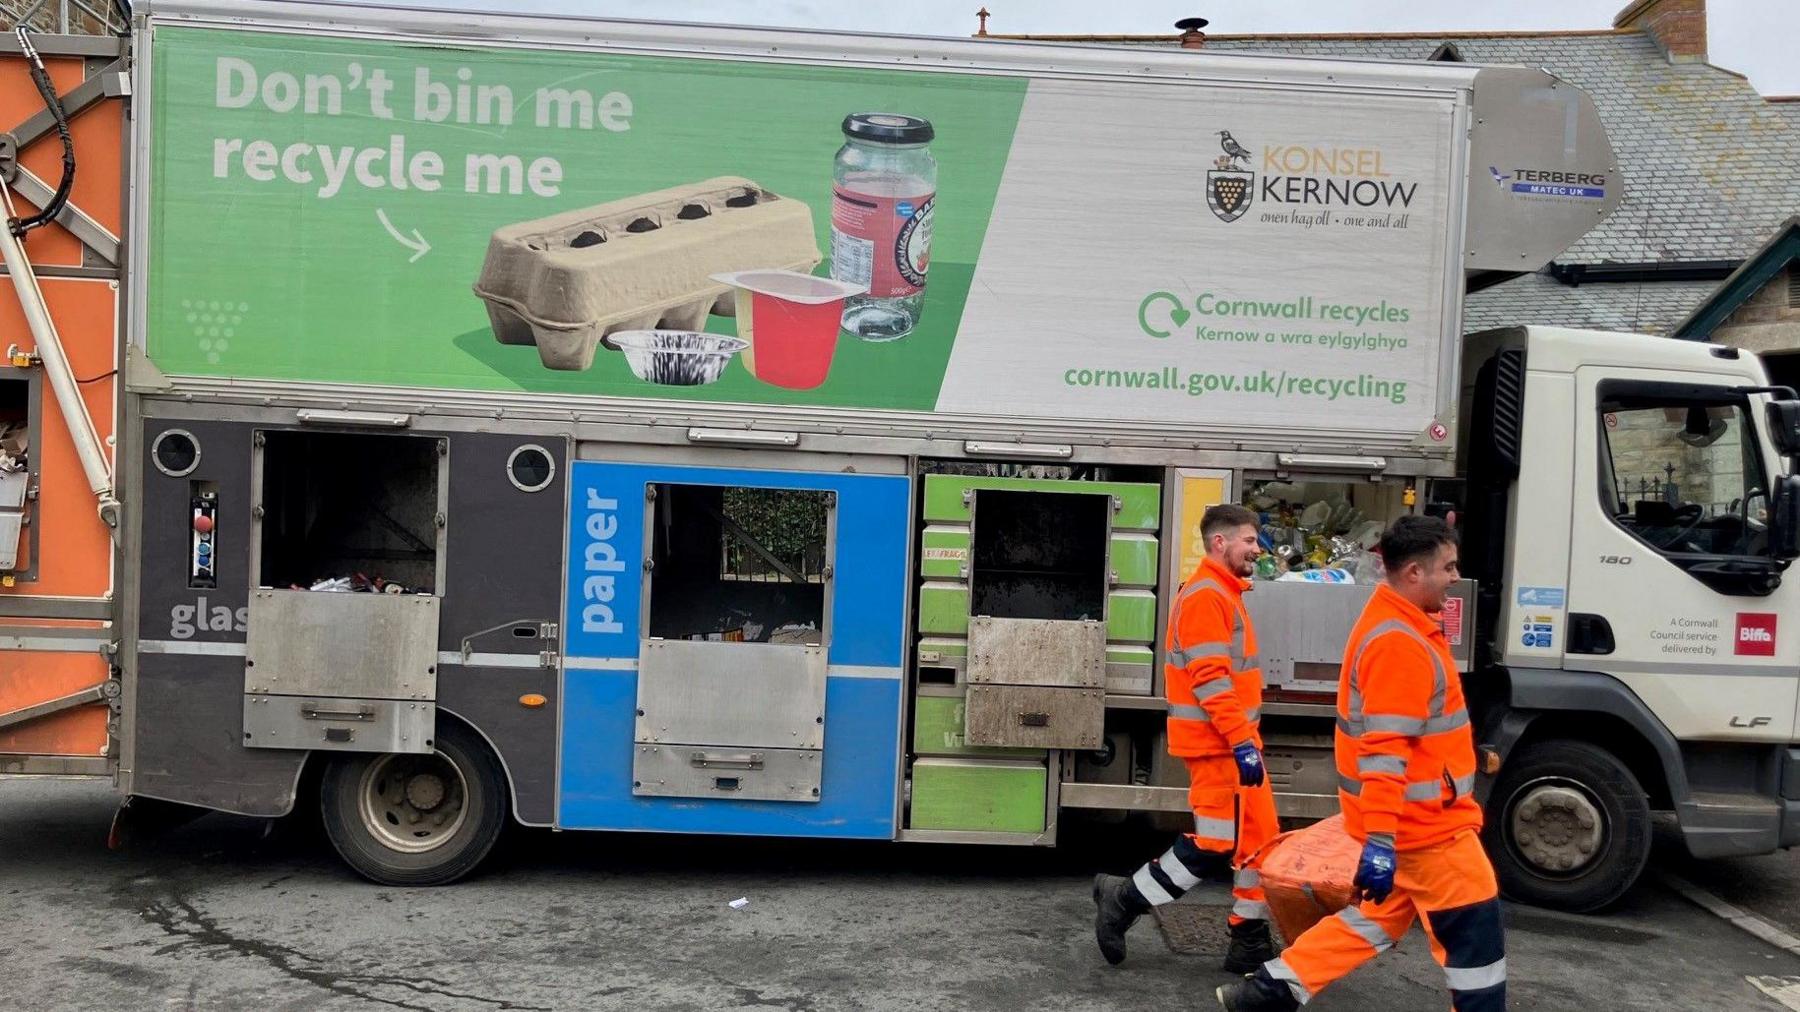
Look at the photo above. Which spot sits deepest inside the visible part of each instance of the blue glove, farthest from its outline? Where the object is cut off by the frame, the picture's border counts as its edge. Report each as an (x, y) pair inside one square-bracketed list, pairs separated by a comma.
[(1249, 763), (1375, 872)]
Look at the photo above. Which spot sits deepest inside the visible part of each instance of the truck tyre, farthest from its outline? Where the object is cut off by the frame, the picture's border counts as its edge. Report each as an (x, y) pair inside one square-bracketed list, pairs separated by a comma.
[(414, 820), (1568, 827)]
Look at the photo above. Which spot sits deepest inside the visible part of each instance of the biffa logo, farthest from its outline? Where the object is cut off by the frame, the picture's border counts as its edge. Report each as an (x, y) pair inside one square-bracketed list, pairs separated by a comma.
[(1755, 634)]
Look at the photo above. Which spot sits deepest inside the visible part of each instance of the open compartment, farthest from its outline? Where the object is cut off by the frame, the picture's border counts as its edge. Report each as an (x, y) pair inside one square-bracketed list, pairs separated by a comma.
[(1039, 555), (348, 571), (739, 564), (351, 511), (731, 679)]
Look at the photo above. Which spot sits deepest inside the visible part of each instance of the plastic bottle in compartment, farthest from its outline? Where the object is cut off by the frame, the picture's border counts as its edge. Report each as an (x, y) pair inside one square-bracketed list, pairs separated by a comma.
[(884, 188)]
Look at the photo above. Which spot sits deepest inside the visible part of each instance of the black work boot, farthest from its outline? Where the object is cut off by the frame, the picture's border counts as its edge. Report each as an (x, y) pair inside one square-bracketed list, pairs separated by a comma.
[(1251, 947), (1118, 906), (1256, 993)]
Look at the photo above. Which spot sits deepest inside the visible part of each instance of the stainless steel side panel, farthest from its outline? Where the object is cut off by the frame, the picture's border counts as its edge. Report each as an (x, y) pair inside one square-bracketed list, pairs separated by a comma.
[(338, 724), (1023, 651), (744, 695), (364, 646), (695, 771)]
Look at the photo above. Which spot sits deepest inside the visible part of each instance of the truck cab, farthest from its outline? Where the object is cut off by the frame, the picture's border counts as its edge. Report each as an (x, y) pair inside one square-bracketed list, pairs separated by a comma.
[(1625, 515)]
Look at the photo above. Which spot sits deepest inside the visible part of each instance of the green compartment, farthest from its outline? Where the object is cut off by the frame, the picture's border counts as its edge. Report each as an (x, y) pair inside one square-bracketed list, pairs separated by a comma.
[(938, 730), (1140, 504), (943, 553), (1133, 559), (1131, 616), (944, 609), (976, 796)]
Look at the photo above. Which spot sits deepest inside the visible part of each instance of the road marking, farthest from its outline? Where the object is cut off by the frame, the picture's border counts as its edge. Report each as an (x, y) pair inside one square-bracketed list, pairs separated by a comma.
[(1785, 990), (1742, 918)]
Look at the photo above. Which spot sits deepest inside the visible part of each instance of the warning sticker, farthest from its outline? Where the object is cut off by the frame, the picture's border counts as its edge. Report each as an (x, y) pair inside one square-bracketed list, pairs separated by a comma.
[(1452, 620)]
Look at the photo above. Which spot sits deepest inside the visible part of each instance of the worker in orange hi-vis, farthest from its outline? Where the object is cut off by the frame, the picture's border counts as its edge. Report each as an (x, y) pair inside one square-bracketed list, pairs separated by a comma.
[(1215, 704), (1406, 776)]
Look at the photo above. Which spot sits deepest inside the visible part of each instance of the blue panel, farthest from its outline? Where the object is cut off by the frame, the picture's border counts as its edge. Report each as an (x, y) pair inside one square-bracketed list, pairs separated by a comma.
[(604, 619), (856, 794), (606, 548)]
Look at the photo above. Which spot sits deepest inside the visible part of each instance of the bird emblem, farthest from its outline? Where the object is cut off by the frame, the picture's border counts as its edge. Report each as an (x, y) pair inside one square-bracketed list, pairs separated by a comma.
[(1234, 152)]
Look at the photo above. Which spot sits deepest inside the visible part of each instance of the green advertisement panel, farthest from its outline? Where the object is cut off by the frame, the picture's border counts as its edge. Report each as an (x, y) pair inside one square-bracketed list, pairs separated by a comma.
[(340, 210)]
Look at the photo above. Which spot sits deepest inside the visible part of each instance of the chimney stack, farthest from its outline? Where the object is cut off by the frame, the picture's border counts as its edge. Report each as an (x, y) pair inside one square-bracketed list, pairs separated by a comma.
[(983, 15), (1191, 35), (1678, 26)]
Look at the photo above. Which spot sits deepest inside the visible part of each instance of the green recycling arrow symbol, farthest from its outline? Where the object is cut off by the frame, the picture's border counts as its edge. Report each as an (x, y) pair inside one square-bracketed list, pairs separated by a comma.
[(1178, 313)]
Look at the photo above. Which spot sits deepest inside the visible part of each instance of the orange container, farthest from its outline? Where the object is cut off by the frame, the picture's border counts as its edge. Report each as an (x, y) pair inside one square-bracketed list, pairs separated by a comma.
[(1309, 874)]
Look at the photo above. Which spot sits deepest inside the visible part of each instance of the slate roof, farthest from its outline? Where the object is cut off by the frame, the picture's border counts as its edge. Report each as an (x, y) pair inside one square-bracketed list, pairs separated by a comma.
[(1711, 167)]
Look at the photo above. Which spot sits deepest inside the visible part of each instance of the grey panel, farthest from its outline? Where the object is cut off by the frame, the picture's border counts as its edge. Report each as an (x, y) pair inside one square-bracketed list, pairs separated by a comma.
[(191, 750), (754, 695), (691, 771), (168, 607), (1031, 716), (376, 646), (1024, 651), (338, 724), (1309, 624), (504, 577), (524, 737)]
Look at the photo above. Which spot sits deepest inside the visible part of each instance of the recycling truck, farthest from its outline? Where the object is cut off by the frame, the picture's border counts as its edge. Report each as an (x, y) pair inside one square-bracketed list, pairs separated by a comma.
[(437, 421)]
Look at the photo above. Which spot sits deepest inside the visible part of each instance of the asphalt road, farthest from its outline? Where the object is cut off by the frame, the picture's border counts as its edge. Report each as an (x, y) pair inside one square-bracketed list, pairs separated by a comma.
[(219, 915)]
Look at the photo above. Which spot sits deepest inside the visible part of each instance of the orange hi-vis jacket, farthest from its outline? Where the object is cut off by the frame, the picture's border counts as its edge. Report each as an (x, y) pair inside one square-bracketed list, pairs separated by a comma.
[(1215, 695), (1405, 752)]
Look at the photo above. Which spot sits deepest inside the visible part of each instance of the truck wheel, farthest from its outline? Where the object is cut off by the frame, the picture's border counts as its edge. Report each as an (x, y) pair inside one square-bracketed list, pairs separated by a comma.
[(1568, 827), (411, 820)]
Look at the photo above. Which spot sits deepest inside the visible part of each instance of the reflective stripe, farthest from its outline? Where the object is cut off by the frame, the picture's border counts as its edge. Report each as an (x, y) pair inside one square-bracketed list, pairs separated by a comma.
[(1150, 888), (1246, 878), (1189, 655), (1279, 970), (1215, 829), (1184, 711), (1424, 790), (1365, 929), (1384, 839), (1475, 978), (1251, 910), (1208, 689), (1410, 726), (1381, 764), (1178, 873), (1416, 790), (1465, 786)]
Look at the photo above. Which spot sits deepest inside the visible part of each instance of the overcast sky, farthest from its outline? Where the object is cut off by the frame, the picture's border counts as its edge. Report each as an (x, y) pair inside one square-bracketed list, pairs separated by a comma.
[(1754, 37)]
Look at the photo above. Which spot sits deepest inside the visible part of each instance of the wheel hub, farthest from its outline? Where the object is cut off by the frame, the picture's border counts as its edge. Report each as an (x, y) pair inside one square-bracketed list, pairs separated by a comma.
[(413, 803), (1558, 828), (425, 791)]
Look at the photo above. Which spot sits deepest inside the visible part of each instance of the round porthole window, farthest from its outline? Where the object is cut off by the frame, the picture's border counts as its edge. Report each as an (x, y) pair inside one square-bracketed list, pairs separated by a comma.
[(530, 468), (176, 453)]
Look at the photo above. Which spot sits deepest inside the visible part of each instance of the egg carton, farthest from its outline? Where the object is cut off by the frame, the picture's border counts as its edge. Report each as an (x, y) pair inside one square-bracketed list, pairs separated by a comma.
[(564, 282)]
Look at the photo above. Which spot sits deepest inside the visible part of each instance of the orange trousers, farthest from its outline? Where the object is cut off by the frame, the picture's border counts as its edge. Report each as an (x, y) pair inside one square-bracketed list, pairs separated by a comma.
[(1450, 887), (1230, 822)]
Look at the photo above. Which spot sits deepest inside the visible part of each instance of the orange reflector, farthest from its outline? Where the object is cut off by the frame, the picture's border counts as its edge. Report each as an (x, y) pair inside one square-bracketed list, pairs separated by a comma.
[(532, 700)]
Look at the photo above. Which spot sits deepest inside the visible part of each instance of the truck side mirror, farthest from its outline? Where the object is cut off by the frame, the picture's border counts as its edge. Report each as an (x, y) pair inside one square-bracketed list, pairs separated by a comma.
[(1784, 522), (1784, 426)]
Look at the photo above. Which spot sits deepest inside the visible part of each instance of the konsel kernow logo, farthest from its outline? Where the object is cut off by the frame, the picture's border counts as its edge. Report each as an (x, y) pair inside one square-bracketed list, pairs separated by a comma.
[(1229, 185)]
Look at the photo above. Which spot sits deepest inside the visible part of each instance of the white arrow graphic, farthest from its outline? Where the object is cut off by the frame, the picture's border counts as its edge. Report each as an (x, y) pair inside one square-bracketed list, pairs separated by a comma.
[(417, 243)]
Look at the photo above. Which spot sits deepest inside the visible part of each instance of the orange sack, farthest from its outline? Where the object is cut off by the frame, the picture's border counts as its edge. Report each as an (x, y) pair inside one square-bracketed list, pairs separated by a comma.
[(1308, 874)]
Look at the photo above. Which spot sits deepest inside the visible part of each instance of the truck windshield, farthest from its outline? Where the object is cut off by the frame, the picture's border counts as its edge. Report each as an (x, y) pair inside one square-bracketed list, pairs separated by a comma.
[(1685, 475)]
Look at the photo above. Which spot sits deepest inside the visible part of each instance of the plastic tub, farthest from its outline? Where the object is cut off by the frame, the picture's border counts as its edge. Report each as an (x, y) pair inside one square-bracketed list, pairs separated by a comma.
[(791, 322)]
